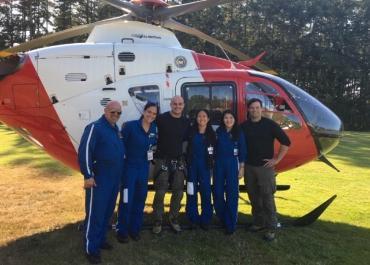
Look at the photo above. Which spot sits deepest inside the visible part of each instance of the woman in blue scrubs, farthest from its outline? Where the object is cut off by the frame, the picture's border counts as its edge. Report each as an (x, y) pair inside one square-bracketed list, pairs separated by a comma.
[(229, 167), (201, 143), (139, 137)]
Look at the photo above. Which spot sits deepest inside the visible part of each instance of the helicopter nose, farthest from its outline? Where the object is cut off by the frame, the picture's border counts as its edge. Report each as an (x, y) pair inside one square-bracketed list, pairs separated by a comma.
[(326, 127)]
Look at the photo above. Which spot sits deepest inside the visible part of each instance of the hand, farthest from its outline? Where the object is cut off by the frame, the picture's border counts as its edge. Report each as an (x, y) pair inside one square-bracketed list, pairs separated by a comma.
[(89, 183), (241, 172), (270, 162)]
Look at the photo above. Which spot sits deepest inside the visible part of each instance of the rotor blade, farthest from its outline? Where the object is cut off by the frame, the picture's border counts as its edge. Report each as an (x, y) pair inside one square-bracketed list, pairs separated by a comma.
[(61, 35), (125, 6), (314, 214), (324, 159), (172, 24), (178, 10)]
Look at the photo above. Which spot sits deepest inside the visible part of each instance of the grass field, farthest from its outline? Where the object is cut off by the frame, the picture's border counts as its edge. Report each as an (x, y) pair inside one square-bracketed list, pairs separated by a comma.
[(41, 204)]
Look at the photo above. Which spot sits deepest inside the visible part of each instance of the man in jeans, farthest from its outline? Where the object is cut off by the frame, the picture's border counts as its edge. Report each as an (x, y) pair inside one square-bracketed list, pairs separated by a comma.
[(260, 135), (170, 164)]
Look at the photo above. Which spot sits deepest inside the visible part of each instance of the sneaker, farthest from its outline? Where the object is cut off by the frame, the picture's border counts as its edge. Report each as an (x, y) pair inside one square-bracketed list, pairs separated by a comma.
[(122, 239), (174, 224), (93, 259), (157, 227), (255, 228), (106, 246), (269, 236)]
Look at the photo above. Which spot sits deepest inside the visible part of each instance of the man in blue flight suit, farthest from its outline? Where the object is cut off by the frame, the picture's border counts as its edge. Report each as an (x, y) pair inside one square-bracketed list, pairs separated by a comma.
[(100, 156), (139, 138)]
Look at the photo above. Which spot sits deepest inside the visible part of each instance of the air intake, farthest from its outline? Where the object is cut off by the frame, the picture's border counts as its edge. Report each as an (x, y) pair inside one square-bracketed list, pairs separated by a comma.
[(126, 57)]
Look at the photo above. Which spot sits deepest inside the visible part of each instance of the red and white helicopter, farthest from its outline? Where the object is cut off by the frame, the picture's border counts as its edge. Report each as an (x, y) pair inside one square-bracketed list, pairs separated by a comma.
[(48, 95)]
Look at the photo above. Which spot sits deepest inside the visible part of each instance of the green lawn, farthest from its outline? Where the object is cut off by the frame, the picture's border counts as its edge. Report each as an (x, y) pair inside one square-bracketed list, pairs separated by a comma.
[(42, 203)]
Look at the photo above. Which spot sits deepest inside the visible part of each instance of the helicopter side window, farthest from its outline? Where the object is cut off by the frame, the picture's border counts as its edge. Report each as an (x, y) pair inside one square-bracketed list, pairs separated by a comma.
[(141, 95), (214, 97)]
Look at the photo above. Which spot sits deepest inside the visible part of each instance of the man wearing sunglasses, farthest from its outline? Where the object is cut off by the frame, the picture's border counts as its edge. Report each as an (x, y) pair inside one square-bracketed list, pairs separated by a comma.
[(100, 156)]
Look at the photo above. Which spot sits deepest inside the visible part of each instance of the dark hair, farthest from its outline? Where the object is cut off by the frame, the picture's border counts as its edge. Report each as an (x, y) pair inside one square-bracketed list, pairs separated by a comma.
[(150, 104), (252, 100), (235, 129), (209, 133)]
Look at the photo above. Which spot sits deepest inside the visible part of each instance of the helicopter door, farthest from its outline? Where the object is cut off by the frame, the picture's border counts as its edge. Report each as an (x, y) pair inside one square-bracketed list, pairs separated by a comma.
[(215, 97)]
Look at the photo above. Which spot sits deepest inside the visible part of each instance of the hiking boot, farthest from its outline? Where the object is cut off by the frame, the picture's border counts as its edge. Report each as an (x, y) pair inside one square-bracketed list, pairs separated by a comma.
[(157, 227), (255, 228), (269, 236), (93, 259), (174, 223)]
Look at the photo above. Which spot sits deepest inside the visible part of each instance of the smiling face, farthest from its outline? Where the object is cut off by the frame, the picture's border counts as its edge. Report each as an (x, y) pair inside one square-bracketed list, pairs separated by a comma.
[(150, 114), (202, 119), (177, 106), (112, 112), (229, 121), (255, 111)]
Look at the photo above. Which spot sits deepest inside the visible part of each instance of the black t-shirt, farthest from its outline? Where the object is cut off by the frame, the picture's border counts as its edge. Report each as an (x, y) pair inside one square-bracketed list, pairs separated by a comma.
[(260, 138), (171, 134)]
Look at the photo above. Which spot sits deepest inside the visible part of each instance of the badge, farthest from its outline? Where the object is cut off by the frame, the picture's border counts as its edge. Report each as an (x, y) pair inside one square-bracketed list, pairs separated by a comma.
[(150, 155), (236, 151), (190, 188), (210, 150)]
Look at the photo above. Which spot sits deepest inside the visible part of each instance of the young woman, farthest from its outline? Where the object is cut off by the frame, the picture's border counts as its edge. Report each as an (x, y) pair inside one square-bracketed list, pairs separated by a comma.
[(229, 164), (139, 137), (200, 151)]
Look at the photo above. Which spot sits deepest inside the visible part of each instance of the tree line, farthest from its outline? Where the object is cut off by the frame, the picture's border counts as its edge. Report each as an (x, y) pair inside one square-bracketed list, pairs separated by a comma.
[(322, 46)]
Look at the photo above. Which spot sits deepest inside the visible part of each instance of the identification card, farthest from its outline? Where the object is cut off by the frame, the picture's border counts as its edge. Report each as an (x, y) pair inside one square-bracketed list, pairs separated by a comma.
[(190, 188), (150, 155), (210, 150), (236, 151)]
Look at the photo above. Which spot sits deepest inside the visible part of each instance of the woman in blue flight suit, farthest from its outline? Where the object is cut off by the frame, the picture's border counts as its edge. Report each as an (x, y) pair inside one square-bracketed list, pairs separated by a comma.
[(229, 167), (139, 137), (201, 142)]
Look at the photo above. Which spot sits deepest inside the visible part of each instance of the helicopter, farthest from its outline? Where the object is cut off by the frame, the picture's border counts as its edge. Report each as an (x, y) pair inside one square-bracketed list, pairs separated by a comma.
[(48, 95)]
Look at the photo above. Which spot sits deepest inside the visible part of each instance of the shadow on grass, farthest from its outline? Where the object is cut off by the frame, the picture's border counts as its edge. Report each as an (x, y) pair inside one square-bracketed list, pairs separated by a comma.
[(352, 148), (321, 243)]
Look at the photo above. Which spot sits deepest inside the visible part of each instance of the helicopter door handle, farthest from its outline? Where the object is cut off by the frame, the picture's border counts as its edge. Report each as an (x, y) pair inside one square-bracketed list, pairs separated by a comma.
[(109, 89)]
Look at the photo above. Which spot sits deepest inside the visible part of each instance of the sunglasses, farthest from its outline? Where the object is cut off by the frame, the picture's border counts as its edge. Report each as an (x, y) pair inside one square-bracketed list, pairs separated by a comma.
[(116, 112)]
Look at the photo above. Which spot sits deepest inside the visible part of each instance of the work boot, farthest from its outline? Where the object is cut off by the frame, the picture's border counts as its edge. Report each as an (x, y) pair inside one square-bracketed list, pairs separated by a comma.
[(269, 236), (157, 227), (255, 228), (174, 224)]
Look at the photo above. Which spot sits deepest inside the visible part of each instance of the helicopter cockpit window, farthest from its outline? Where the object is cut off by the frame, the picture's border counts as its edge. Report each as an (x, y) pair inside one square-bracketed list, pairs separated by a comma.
[(141, 95), (274, 106), (214, 97)]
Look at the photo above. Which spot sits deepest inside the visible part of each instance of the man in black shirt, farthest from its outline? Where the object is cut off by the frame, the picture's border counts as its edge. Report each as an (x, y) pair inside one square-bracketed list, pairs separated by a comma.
[(260, 134), (170, 165)]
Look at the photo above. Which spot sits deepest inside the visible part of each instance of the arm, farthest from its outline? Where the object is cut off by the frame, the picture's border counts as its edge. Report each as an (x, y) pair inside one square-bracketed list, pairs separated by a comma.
[(242, 153), (284, 146), (85, 155)]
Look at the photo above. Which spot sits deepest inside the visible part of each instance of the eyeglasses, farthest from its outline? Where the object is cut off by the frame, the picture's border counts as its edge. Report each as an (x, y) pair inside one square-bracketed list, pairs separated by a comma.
[(116, 112)]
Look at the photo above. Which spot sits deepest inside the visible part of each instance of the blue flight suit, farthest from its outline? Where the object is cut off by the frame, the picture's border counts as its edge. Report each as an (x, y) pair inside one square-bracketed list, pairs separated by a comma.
[(226, 182), (100, 156), (134, 188), (199, 174)]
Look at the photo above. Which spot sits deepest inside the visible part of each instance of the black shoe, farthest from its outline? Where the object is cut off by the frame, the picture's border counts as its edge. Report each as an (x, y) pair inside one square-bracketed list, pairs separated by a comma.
[(174, 223), (255, 228), (229, 232), (93, 259), (204, 227), (106, 246), (135, 237), (122, 239)]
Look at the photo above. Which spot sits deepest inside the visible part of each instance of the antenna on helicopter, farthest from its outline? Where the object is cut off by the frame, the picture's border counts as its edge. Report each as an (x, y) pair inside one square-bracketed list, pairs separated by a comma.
[(232, 66)]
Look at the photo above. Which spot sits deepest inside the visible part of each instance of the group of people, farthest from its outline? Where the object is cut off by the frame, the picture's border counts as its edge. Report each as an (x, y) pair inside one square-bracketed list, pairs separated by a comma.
[(117, 161)]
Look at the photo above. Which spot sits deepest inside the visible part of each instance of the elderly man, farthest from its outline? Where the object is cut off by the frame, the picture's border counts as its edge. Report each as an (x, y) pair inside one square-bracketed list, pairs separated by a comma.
[(100, 156), (170, 165)]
